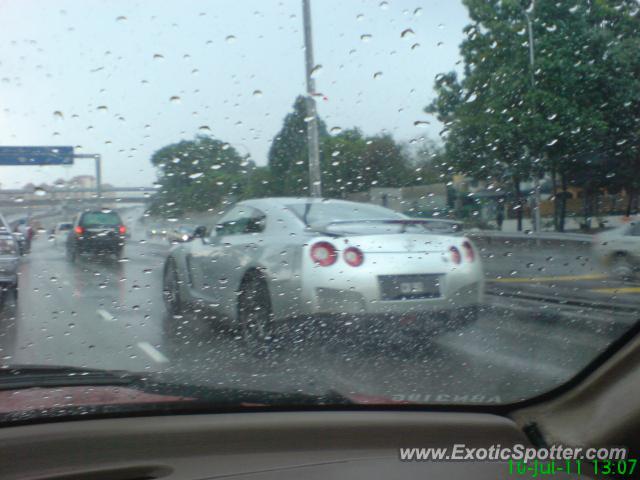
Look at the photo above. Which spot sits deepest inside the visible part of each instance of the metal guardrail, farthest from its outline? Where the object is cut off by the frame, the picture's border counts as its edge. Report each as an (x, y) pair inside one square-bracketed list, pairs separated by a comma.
[(541, 238)]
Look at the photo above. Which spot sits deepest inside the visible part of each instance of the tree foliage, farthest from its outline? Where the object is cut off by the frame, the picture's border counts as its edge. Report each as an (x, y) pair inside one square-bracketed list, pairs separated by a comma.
[(288, 157), (507, 123), (197, 174)]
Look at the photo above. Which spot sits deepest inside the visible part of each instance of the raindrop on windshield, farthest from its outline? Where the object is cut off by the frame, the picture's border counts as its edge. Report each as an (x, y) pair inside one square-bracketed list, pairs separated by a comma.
[(102, 108), (230, 39), (58, 114), (421, 123), (257, 93), (407, 33), (175, 99), (315, 71), (366, 37), (204, 128), (377, 75), (158, 56)]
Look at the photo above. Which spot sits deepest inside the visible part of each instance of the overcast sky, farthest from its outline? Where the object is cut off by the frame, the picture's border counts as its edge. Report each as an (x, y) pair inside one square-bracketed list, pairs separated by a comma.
[(124, 78)]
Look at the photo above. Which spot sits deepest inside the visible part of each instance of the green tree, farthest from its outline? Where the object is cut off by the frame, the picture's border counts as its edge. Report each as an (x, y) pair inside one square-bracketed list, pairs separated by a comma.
[(260, 182), (428, 164), (197, 175), (288, 155), (352, 163), (502, 126)]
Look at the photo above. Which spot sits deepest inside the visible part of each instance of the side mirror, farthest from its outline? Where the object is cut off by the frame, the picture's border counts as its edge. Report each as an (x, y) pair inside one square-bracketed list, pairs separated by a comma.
[(200, 232)]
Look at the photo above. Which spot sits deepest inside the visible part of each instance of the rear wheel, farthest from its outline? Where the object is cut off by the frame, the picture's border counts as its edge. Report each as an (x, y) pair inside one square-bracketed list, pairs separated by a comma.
[(255, 315), (622, 266), (171, 289)]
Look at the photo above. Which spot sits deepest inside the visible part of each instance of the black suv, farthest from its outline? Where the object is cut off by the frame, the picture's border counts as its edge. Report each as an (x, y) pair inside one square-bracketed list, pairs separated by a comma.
[(96, 231)]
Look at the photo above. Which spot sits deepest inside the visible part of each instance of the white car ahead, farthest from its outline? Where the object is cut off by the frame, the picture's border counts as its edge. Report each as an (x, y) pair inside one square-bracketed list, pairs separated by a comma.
[(273, 259), (619, 250)]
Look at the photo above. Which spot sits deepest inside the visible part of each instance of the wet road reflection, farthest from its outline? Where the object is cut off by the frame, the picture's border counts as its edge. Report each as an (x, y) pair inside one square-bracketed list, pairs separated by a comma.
[(105, 313)]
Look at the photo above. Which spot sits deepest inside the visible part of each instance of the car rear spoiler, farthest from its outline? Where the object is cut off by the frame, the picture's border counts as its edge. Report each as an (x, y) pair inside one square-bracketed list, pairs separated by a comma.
[(452, 225)]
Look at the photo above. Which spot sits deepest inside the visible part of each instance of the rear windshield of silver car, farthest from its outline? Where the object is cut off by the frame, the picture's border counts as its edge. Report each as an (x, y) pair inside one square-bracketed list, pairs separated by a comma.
[(322, 213), (100, 219)]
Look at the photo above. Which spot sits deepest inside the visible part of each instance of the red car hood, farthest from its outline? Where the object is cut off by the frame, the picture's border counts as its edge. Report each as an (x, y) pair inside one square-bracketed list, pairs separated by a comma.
[(28, 399)]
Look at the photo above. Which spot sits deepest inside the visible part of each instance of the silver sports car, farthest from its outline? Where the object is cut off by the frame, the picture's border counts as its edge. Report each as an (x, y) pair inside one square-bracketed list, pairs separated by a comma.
[(272, 259)]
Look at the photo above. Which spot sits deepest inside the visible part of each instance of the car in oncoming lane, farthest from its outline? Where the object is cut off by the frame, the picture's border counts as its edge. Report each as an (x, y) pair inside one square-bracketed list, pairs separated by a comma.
[(618, 250), (96, 232), (275, 259)]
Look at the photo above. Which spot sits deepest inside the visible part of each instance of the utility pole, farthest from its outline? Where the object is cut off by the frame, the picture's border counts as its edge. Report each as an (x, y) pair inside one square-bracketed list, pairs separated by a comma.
[(315, 179)]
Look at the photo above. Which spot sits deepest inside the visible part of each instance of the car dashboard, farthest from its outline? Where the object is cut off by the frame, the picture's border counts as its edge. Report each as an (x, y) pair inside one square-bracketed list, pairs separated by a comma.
[(257, 446)]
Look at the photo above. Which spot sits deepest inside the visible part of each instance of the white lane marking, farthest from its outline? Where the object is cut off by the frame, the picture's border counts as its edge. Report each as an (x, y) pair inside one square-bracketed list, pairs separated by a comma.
[(150, 350), (106, 316)]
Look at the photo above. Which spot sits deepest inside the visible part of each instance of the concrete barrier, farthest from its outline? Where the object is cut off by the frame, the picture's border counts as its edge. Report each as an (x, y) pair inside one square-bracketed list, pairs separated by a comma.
[(541, 239)]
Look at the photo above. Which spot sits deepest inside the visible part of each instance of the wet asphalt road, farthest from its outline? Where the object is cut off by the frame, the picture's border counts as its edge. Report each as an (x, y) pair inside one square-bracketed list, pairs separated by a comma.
[(532, 334)]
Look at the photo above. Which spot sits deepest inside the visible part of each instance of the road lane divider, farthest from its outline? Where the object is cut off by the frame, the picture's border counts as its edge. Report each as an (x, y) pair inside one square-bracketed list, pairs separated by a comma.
[(106, 316), (152, 352), (616, 290), (556, 278)]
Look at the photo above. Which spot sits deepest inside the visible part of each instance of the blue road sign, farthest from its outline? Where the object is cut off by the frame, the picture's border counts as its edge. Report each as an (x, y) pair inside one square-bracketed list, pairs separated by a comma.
[(36, 155)]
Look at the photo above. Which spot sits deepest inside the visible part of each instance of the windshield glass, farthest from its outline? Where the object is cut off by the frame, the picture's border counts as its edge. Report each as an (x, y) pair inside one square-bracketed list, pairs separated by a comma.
[(482, 157), (90, 219), (312, 213)]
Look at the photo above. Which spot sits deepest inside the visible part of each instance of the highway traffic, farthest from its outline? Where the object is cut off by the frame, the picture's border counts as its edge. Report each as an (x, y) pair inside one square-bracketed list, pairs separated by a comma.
[(547, 313)]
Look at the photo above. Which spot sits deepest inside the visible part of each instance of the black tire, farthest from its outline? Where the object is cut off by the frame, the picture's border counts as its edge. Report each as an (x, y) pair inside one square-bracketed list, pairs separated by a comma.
[(255, 315), (622, 267), (7, 294), (171, 289)]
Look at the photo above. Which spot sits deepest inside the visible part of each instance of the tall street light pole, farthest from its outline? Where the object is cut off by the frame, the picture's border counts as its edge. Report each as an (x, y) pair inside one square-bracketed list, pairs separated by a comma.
[(315, 180)]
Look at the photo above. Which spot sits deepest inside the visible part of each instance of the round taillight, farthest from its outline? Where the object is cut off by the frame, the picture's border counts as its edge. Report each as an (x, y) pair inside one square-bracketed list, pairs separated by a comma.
[(79, 230), (122, 229), (353, 256), (455, 255), (468, 251), (323, 253)]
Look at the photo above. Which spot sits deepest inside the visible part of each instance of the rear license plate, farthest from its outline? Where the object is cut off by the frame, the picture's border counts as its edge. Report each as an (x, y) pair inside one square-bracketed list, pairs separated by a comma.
[(399, 287)]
